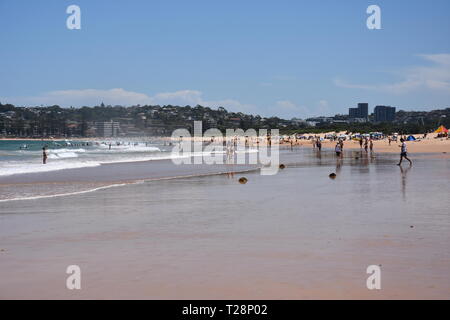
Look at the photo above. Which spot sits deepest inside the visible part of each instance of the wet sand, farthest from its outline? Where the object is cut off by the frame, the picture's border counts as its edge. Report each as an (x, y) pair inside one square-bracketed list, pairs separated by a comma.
[(89, 178), (295, 235)]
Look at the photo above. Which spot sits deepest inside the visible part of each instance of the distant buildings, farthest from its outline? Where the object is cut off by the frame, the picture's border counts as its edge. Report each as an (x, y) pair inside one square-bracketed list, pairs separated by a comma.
[(380, 114), (299, 122), (107, 121), (108, 129), (384, 113), (360, 114), (322, 121), (363, 110)]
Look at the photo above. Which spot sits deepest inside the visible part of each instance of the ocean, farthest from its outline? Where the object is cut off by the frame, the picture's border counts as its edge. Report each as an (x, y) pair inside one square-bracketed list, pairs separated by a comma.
[(22, 156), (82, 166)]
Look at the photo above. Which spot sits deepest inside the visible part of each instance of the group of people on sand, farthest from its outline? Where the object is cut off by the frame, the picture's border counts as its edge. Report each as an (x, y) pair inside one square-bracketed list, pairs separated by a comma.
[(339, 147), (317, 143), (368, 144), (365, 143)]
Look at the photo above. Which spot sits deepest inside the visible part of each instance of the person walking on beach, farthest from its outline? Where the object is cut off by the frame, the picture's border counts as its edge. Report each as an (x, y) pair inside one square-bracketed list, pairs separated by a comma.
[(389, 139), (371, 145), (44, 156), (341, 143), (360, 142), (319, 144), (338, 149), (403, 153), (366, 144)]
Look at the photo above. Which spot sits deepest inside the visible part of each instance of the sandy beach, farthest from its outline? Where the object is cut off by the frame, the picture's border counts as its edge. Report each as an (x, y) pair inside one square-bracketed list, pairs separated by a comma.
[(224, 155), (430, 144)]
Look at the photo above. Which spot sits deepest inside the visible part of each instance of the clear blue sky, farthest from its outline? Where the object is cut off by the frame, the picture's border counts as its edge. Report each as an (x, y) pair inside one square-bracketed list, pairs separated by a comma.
[(285, 58)]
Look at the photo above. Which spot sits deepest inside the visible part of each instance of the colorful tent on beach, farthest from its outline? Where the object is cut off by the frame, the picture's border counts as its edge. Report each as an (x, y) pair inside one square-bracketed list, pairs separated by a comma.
[(441, 129), (411, 138)]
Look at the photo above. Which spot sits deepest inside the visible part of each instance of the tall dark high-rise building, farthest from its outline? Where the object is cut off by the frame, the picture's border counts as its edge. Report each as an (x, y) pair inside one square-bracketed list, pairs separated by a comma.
[(384, 113), (353, 113), (361, 112)]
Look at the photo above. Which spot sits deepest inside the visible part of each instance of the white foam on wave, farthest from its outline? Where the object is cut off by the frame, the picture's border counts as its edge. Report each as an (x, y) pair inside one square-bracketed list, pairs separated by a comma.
[(62, 155), (69, 160), (63, 150), (125, 148), (21, 167), (67, 193)]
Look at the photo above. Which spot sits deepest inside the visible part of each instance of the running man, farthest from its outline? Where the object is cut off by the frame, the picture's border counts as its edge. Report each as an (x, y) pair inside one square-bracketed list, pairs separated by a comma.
[(404, 153)]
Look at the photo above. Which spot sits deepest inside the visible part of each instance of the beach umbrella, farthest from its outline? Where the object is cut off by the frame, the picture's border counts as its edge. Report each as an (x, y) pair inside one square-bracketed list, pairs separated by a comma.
[(441, 129)]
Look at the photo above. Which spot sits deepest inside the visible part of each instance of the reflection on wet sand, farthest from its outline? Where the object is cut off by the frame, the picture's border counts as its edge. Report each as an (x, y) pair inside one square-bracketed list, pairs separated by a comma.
[(295, 235), (404, 174)]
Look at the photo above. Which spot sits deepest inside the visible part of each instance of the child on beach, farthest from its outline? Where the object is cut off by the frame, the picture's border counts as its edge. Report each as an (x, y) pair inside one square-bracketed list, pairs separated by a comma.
[(403, 153)]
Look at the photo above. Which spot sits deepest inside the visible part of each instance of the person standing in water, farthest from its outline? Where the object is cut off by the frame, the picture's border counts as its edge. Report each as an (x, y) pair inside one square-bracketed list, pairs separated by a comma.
[(338, 149), (44, 156), (319, 144), (403, 153)]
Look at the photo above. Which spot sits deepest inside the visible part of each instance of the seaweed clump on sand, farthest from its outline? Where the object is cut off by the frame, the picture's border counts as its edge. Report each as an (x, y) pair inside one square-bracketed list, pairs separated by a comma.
[(243, 180)]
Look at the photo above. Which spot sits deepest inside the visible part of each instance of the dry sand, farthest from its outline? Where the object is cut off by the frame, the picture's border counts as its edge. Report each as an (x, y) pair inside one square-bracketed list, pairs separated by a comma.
[(431, 144)]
